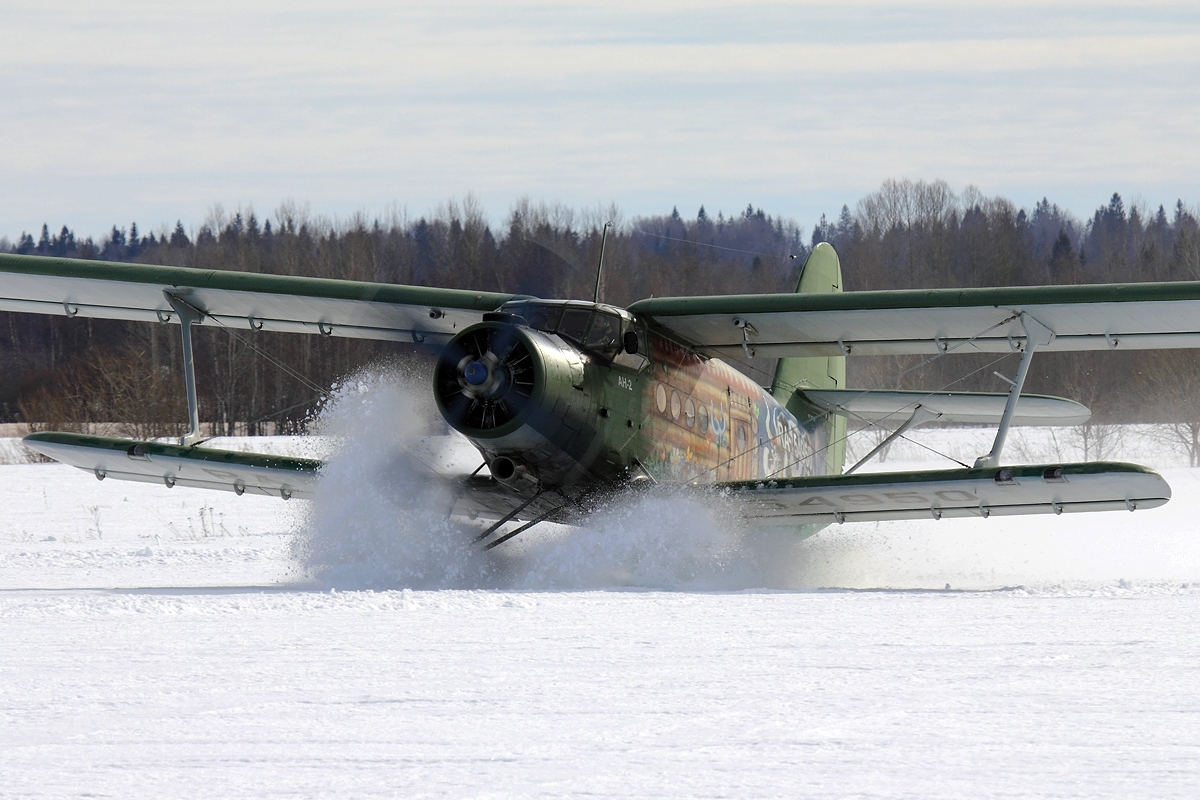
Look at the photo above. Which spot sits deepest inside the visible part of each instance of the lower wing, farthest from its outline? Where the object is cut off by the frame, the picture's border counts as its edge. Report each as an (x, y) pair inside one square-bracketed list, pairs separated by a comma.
[(440, 457), (1042, 489), (172, 465)]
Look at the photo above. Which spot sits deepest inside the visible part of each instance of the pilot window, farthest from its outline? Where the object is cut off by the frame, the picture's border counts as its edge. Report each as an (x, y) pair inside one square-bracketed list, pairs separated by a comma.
[(605, 334), (542, 318), (574, 323)]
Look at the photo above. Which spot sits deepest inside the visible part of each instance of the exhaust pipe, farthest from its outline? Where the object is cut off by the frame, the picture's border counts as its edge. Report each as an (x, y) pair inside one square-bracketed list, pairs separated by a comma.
[(510, 473)]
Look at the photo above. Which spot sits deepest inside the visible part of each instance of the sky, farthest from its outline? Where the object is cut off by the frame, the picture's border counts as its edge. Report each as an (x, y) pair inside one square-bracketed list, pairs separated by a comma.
[(112, 112)]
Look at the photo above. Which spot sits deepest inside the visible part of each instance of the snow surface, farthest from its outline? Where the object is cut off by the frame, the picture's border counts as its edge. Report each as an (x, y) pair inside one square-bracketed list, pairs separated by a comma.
[(176, 643)]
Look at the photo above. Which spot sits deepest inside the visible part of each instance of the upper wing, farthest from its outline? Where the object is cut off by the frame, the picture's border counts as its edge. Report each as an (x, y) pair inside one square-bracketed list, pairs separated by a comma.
[(72, 287), (913, 321)]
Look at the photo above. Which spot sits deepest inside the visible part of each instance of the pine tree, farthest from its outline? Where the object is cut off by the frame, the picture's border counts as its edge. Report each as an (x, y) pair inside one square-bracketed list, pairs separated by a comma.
[(821, 231), (1116, 208), (1062, 257)]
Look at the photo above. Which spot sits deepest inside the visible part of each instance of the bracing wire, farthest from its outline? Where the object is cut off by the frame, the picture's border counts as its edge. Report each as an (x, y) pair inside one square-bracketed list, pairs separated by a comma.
[(877, 423), (871, 423), (813, 418), (787, 257), (282, 366)]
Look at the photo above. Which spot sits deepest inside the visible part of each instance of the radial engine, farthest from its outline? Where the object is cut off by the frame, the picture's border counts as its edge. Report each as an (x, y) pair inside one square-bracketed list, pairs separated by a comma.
[(522, 397)]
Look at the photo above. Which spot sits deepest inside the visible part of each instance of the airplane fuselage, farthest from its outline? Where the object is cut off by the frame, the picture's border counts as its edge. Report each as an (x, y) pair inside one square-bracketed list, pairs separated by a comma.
[(576, 395)]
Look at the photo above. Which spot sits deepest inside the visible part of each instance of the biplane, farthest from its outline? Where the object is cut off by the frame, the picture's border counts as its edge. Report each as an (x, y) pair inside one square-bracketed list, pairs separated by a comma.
[(569, 401)]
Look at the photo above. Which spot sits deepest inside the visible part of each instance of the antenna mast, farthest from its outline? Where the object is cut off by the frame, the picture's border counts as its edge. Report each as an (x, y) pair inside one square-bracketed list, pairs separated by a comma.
[(600, 266)]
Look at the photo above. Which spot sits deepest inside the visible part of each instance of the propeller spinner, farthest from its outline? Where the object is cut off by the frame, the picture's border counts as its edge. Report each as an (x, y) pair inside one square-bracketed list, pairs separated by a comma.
[(485, 377)]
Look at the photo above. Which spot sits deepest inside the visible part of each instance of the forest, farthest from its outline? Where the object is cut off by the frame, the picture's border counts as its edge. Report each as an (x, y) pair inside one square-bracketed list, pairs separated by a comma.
[(78, 374)]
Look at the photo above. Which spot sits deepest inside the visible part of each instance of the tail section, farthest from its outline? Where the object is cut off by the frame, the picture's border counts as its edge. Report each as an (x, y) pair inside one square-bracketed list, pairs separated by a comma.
[(822, 273)]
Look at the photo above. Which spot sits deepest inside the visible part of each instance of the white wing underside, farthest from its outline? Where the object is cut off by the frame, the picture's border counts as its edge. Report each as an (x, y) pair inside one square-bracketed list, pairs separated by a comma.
[(1154, 316)]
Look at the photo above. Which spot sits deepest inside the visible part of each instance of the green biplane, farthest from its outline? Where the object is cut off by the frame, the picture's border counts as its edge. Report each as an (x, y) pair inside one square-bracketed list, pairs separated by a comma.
[(569, 401)]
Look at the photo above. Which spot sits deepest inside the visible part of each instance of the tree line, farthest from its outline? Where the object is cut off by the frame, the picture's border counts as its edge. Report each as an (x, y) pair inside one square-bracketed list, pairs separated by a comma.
[(909, 234)]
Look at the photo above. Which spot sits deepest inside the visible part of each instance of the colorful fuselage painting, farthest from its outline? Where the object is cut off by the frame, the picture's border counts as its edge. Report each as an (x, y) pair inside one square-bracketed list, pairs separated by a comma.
[(705, 421)]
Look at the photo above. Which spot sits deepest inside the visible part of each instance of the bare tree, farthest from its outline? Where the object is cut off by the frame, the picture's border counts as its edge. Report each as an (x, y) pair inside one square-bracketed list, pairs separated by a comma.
[(1175, 383)]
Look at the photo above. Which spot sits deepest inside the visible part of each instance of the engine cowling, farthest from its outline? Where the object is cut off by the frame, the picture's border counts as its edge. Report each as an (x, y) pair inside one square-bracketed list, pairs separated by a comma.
[(522, 398)]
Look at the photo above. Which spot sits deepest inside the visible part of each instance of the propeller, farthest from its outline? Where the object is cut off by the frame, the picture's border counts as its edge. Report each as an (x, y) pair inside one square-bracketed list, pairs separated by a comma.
[(485, 377)]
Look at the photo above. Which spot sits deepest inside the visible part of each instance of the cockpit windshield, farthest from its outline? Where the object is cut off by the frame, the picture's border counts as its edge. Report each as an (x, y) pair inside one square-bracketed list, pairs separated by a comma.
[(597, 329)]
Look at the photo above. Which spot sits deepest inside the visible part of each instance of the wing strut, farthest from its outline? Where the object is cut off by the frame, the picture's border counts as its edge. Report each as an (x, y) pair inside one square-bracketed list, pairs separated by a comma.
[(188, 314), (508, 517), (1036, 335), (920, 416), (525, 527)]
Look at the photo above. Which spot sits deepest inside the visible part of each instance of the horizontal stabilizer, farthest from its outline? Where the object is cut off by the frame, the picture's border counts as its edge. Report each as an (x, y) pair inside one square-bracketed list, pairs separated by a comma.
[(964, 408), (1050, 489), (171, 465)]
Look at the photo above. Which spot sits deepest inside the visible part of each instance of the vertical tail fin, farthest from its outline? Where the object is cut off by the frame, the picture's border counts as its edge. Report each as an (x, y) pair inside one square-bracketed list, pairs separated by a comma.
[(822, 273)]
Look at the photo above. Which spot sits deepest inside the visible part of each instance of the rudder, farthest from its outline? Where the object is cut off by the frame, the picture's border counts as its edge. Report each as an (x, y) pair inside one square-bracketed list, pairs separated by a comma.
[(822, 273)]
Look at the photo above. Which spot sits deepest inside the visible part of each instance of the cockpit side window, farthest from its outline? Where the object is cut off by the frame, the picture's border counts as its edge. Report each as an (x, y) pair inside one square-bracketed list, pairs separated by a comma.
[(574, 323), (542, 317), (604, 336), (519, 309)]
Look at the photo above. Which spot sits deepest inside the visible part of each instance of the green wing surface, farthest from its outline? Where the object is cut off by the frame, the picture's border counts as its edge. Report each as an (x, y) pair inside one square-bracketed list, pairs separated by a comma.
[(73, 287), (1134, 316), (980, 493)]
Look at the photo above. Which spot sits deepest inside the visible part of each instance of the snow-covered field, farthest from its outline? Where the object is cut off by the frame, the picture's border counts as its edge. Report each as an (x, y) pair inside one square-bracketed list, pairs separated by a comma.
[(173, 643)]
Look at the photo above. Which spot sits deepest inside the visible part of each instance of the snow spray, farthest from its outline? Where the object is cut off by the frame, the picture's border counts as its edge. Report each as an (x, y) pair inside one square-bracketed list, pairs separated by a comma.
[(378, 521)]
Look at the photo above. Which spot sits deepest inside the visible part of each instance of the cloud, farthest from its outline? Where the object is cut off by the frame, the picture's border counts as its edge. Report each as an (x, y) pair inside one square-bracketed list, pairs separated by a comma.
[(120, 111)]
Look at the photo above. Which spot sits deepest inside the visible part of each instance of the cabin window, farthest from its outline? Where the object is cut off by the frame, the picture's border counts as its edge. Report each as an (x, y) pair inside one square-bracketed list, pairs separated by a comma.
[(660, 397), (741, 438), (689, 413), (702, 418), (676, 404)]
